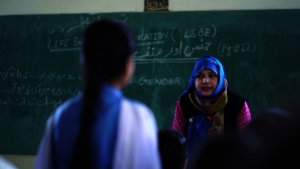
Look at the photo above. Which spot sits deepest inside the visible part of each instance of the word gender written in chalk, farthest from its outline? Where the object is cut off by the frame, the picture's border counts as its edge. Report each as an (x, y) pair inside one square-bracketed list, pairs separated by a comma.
[(155, 81)]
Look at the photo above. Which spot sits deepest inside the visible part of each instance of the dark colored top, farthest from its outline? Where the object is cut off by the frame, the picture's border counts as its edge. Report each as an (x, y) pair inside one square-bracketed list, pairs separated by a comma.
[(234, 105)]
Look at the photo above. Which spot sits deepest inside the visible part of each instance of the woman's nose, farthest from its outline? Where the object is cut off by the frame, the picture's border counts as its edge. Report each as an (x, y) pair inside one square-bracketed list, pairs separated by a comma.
[(205, 80)]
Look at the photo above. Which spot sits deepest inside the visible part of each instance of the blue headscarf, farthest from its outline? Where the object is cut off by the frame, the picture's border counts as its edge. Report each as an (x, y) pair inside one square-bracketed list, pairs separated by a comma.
[(213, 64)]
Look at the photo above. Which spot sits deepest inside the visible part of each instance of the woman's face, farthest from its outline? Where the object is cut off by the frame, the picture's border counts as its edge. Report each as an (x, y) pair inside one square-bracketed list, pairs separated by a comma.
[(206, 82)]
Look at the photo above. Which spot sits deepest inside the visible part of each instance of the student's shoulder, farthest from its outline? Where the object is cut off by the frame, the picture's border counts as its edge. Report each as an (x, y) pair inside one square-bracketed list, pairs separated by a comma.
[(68, 108), (72, 103), (140, 111), (138, 105)]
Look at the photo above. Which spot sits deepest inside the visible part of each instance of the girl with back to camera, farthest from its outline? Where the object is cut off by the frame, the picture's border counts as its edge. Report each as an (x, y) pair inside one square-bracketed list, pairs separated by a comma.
[(207, 108), (100, 128)]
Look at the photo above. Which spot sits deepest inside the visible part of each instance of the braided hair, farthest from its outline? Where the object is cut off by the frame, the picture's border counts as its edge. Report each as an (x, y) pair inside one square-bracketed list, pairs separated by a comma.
[(106, 46)]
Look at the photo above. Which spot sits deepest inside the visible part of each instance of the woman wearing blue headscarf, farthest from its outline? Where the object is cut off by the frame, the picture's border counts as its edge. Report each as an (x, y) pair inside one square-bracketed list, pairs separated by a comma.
[(207, 108)]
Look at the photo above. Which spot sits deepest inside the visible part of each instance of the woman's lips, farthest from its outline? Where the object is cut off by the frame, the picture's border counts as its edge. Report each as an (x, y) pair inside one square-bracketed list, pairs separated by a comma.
[(206, 88)]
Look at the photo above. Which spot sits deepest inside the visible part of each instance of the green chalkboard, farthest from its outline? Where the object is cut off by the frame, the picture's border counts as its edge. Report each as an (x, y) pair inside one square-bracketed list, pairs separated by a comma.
[(39, 63)]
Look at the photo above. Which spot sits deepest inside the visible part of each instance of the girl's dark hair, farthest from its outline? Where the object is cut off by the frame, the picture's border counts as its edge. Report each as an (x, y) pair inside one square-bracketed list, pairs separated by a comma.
[(172, 149), (106, 46)]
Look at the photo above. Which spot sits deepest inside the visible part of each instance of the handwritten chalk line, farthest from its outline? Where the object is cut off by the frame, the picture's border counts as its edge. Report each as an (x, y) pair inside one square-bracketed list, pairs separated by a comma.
[(78, 48), (219, 48), (168, 59), (64, 49), (172, 34), (160, 62), (150, 43), (215, 30)]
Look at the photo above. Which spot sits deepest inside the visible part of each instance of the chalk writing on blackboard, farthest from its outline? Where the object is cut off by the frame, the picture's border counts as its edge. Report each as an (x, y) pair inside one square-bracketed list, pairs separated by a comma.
[(186, 50), (151, 44), (225, 49), (35, 95), (18, 92), (13, 72), (28, 89), (151, 36), (201, 32), (84, 22), (144, 81), (30, 102), (164, 81)]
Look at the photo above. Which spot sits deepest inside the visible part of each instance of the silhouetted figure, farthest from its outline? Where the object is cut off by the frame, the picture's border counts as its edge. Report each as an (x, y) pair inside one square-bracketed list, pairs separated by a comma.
[(270, 141), (172, 148), (273, 138)]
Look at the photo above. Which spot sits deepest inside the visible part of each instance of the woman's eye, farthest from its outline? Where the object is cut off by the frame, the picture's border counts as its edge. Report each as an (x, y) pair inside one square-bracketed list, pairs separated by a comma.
[(199, 76), (213, 75)]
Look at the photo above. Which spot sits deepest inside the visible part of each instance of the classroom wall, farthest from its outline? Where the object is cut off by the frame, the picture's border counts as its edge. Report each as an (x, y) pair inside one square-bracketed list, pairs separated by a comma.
[(14, 7), (20, 7)]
